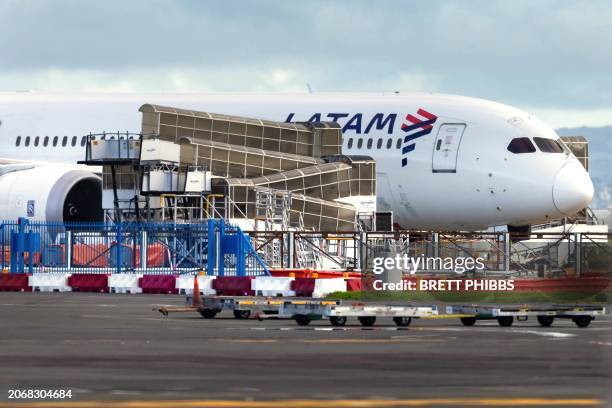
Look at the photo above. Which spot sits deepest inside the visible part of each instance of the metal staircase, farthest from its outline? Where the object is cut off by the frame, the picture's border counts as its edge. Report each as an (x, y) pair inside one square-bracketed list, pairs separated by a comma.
[(306, 255), (273, 208)]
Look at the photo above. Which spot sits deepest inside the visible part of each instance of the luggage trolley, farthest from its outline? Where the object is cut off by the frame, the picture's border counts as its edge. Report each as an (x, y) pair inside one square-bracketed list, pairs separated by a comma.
[(240, 306), (303, 312), (581, 315)]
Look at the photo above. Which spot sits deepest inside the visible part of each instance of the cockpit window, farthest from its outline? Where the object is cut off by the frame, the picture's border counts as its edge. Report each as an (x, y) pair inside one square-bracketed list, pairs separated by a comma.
[(521, 145), (548, 145)]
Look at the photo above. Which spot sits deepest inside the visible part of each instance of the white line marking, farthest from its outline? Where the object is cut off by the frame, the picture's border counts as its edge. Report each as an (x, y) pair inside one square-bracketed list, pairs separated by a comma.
[(601, 343), (557, 335)]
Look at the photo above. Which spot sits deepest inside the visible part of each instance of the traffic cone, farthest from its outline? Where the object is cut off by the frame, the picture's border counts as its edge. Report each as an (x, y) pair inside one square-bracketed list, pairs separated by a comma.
[(196, 299)]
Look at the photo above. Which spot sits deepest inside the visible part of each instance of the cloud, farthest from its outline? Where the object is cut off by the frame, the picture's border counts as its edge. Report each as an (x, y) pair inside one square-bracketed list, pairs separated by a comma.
[(548, 55), (572, 118), (227, 79)]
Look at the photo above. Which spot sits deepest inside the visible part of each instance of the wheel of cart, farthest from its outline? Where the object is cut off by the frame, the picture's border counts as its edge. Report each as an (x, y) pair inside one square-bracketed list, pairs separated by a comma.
[(302, 320), (208, 313), (505, 321), (468, 321), (367, 321), (582, 320), (337, 320), (546, 321), (402, 321), (242, 314)]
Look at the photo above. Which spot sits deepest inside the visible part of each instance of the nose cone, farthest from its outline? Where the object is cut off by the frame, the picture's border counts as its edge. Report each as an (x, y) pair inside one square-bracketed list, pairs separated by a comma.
[(572, 189)]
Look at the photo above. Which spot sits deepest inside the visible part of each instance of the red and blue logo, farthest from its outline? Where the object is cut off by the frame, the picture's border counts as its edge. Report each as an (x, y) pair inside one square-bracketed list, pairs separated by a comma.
[(414, 129)]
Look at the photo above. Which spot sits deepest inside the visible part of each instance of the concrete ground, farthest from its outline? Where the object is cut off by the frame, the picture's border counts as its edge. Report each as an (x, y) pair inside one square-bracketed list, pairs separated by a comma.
[(115, 348)]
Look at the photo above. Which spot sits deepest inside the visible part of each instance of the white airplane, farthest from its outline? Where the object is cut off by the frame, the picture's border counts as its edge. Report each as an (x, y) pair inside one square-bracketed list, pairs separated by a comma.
[(443, 162)]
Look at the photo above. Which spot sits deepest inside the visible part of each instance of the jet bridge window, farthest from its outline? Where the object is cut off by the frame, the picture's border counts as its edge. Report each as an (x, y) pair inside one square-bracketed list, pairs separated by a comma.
[(521, 145), (548, 145)]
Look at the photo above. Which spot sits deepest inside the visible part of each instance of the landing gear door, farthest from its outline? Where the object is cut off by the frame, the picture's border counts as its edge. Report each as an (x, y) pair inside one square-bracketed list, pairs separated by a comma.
[(446, 147)]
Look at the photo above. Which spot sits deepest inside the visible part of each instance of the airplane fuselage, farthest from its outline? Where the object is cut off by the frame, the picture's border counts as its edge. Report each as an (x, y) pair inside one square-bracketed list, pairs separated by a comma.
[(442, 162)]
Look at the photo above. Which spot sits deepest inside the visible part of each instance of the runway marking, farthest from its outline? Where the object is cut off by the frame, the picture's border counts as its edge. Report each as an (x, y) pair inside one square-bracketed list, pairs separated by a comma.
[(367, 341), (301, 403), (557, 335), (326, 329), (248, 340), (601, 343)]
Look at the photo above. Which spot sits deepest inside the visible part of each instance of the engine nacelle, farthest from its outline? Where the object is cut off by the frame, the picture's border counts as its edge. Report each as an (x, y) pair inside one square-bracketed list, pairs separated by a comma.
[(51, 194)]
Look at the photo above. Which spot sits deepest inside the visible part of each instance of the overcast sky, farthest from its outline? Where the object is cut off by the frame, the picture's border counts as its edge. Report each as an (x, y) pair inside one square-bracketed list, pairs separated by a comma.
[(553, 58)]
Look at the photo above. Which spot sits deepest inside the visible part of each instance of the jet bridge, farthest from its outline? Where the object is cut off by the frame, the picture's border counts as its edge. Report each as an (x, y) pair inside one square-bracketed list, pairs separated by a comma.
[(314, 139), (194, 157)]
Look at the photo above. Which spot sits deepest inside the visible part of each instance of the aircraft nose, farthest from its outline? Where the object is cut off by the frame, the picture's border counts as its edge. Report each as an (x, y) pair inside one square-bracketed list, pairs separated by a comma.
[(572, 188)]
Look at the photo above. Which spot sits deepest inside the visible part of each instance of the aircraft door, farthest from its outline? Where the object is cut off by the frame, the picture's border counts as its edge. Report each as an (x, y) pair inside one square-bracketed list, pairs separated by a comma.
[(446, 147)]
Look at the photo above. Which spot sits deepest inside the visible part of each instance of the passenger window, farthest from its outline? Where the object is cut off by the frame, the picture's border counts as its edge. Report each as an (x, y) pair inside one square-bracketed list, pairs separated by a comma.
[(83, 140), (74, 140), (521, 145), (18, 141), (350, 143), (359, 143), (370, 143), (55, 141), (36, 140), (439, 144), (46, 141), (64, 141), (27, 141), (548, 145), (379, 144), (389, 143), (399, 143)]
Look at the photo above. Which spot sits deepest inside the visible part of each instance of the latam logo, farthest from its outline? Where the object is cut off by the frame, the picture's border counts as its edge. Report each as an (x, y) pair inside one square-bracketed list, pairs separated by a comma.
[(414, 129), (359, 123)]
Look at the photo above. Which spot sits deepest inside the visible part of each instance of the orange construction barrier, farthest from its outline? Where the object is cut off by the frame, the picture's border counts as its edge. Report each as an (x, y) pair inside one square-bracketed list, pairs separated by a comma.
[(91, 255)]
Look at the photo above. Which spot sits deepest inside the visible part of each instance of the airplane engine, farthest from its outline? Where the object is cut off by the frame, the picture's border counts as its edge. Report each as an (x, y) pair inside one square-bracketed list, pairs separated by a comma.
[(50, 194)]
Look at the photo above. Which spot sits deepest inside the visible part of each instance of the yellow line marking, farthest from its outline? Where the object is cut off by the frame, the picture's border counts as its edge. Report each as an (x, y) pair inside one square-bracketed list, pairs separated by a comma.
[(368, 341), (246, 341), (425, 402)]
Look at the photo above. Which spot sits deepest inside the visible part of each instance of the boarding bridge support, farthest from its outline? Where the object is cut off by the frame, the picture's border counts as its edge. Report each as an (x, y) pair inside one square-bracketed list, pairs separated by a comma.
[(578, 252), (507, 249)]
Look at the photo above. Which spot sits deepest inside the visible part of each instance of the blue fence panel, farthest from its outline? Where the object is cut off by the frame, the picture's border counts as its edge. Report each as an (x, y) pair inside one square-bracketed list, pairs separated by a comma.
[(163, 248)]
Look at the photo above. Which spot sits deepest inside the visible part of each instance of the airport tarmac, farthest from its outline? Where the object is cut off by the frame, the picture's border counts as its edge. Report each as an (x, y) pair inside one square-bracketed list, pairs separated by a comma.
[(115, 348)]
